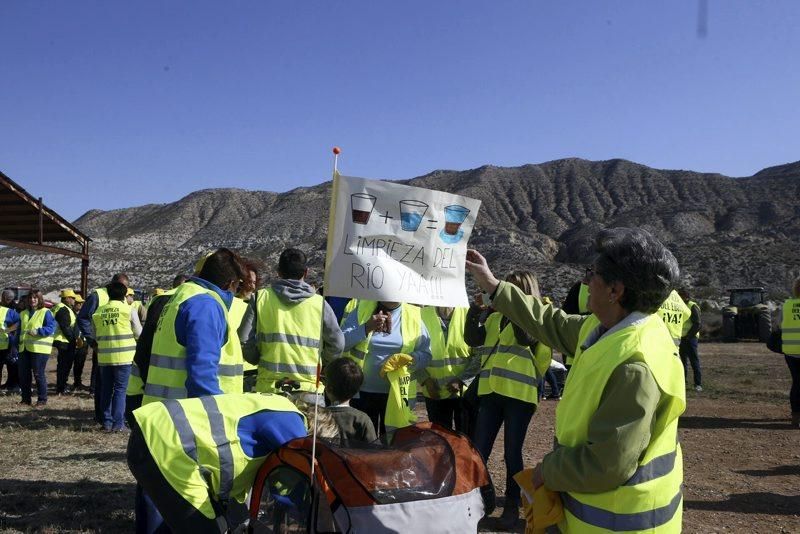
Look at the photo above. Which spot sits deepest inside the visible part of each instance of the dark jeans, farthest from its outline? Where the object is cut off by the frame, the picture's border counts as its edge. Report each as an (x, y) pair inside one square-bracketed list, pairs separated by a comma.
[(36, 363), (95, 386), (446, 412), (176, 511), (514, 415), (688, 351), (77, 368), (114, 382), (64, 360), (12, 369), (552, 381), (374, 405), (794, 393)]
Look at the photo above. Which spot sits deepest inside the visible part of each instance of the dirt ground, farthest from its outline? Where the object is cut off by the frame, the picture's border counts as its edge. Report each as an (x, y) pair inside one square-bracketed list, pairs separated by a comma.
[(58, 473)]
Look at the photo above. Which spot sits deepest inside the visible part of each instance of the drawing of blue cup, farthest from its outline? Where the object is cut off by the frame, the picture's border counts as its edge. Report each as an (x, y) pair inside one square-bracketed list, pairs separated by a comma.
[(454, 216), (411, 213)]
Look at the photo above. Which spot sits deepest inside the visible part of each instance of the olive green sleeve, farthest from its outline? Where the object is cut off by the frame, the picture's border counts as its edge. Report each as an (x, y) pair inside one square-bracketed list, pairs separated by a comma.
[(543, 322), (618, 434)]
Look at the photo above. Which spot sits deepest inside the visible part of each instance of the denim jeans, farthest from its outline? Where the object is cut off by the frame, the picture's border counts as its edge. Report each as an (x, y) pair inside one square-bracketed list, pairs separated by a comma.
[(515, 415), (36, 363), (113, 383), (446, 412)]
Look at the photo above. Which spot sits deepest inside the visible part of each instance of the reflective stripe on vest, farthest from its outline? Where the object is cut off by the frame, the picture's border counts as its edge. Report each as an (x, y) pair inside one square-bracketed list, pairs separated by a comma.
[(676, 315), (510, 370), (651, 498), (288, 337), (198, 440), (410, 332), (59, 335), (166, 377), (790, 327), (135, 382), (450, 356), (113, 333), (4, 342), (34, 343)]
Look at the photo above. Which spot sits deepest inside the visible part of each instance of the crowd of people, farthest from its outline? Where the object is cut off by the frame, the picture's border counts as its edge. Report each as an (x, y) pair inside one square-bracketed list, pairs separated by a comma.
[(179, 373)]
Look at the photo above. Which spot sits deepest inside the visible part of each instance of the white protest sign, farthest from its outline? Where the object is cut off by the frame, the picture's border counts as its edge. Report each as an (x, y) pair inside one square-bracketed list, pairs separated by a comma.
[(394, 242)]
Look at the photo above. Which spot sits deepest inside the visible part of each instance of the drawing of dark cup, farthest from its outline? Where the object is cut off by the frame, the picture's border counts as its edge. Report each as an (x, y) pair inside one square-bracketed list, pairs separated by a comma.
[(411, 213), (361, 205), (454, 216)]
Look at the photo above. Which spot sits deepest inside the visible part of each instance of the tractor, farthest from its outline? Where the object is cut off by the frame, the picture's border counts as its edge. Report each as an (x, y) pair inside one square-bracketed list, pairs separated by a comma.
[(746, 316)]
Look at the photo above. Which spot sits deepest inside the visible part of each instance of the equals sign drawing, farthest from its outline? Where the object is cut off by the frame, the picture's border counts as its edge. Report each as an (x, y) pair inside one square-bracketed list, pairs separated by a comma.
[(432, 227)]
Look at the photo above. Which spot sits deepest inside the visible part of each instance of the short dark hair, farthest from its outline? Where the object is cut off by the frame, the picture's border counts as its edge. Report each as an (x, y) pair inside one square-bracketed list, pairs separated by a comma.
[(343, 379), (292, 264), (646, 268), (121, 278), (117, 291), (222, 268), (178, 280)]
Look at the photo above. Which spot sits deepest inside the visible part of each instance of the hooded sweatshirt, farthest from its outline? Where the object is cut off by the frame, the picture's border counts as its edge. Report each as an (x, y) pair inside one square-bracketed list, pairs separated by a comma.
[(292, 292)]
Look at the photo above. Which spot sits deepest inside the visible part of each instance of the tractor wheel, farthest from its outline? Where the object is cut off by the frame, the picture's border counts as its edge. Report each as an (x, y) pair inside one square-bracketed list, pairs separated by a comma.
[(764, 324), (729, 327)]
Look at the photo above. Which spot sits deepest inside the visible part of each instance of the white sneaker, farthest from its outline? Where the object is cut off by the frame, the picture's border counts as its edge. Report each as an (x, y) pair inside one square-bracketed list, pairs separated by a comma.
[(698, 388)]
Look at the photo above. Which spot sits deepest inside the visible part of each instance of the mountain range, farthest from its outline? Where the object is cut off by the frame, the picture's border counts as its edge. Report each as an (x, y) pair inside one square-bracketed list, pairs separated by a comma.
[(726, 232)]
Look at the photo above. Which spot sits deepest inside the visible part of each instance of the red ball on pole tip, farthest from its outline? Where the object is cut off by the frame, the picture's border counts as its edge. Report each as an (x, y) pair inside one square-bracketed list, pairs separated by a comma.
[(337, 150)]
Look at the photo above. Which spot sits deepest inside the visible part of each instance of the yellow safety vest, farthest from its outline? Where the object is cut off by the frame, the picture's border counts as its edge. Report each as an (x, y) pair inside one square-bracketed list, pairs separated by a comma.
[(351, 305), (289, 340), (690, 305), (4, 342), (583, 298), (59, 335), (32, 343), (651, 500), (102, 296), (113, 333), (236, 313), (135, 382), (513, 369), (166, 377), (196, 445), (676, 315), (790, 327), (450, 356), (410, 332)]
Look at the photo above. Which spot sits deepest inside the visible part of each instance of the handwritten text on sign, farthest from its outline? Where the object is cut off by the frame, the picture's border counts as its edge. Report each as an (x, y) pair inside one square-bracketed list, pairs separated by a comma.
[(393, 242)]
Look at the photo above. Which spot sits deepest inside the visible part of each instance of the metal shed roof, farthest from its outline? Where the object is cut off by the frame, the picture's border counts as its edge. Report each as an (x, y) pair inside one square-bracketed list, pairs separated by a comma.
[(25, 222)]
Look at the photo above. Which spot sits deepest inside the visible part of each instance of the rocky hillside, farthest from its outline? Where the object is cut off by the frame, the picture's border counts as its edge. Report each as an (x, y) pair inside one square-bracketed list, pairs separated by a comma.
[(725, 231)]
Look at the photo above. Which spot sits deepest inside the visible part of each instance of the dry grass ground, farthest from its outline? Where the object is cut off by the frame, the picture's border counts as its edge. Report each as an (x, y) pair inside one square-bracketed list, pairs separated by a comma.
[(742, 460)]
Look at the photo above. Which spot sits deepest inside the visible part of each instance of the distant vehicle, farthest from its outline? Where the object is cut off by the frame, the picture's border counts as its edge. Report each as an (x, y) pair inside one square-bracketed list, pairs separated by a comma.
[(746, 316)]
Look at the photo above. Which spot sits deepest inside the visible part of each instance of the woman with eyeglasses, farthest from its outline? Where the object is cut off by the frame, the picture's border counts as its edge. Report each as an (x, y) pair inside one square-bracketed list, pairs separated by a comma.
[(617, 463), (511, 364)]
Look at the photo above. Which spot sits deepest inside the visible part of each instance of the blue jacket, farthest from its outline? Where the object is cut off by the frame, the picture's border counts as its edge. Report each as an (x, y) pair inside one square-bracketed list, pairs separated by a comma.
[(48, 327), (84, 319), (12, 318), (262, 432), (201, 327)]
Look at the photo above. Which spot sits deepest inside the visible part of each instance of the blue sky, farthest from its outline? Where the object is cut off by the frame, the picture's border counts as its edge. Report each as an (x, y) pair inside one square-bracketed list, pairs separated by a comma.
[(112, 104)]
